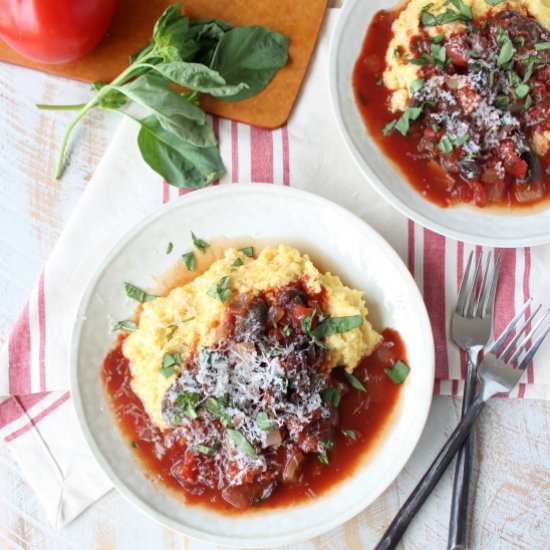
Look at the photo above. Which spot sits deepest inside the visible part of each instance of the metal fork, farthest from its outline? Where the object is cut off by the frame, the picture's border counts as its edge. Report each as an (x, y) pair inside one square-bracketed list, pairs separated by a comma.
[(471, 329), (496, 374)]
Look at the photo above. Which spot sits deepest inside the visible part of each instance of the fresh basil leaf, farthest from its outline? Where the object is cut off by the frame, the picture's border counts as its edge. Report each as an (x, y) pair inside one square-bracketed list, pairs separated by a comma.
[(350, 433), (248, 251), (169, 360), (220, 290), (217, 408), (167, 371), (494, 2), (521, 90), (445, 145), (113, 99), (262, 419), (331, 395), (326, 443), (416, 85), (389, 127), (354, 382), (250, 55), (541, 46), (501, 102), (178, 162), (134, 445), (169, 247), (337, 325), (242, 442), (287, 330), (506, 53), (189, 260), (323, 458), (237, 263), (458, 142), (187, 402), (527, 103), (198, 78), (138, 294), (464, 10), (306, 321), (208, 451), (199, 243), (126, 326), (399, 372)]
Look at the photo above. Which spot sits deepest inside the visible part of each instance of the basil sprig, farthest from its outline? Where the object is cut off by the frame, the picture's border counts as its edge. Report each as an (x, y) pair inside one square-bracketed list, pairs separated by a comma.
[(399, 372), (138, 294), (220, 290), (207, 56), (242, 442)]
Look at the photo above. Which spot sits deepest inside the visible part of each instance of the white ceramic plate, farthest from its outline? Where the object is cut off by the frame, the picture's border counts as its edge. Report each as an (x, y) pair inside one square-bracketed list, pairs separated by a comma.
[(465, 223), (348, 247)]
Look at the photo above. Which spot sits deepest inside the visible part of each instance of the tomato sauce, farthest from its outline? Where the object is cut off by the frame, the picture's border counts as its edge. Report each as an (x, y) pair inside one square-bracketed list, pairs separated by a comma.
[(366, 414), (423, 173)]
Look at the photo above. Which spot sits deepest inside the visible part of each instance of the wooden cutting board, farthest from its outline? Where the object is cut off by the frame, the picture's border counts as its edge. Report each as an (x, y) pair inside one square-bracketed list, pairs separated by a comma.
[(132, 27)]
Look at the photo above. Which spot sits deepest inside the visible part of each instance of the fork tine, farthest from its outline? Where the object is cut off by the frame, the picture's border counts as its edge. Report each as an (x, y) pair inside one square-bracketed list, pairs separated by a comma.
[(472, 298), (464, 287), (488, 305), (523, 345), (512, 343), (495, 348), (534, 348), (483, 289)]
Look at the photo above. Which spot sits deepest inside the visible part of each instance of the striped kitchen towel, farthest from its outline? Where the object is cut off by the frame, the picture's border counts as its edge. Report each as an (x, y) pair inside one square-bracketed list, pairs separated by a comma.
[(36, 418)]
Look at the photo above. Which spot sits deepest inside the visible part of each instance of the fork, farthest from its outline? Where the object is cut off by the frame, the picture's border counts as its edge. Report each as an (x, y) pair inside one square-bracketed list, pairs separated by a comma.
[(471, 329), (496, 374)]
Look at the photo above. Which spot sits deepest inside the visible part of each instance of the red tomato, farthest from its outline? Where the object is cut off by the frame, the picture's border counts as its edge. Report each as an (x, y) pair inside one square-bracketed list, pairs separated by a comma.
[(54, 31)]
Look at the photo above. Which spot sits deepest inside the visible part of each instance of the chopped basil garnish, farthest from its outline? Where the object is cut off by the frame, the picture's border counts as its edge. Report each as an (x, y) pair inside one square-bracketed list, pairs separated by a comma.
[(331, 395), (305, 324), (501, 102), (437, 39), (445, 145), (494, 2), (287, 330), (521, 91), (428, 19), (337, 325), (326, 443), (134, 445), (274, 352), (169, 248), (168, 364), (248, 251), (323, 458), (199, 243), (242, 442), (416, 85), (138, 294), (189, 260), (262, 419), (399, 372), (175, 326), (540, 46), (506, 53), (127, 326), (402, 124), (217, 408), (350, 433), (520, 41), (528, 102), (396, 53), (208, 451), (354, 382), (219, 290), (188, 402), (237, 263)]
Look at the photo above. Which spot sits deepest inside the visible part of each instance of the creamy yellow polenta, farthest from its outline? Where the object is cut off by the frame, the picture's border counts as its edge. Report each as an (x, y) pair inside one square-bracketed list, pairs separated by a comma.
[(399, 74), (188, 318)]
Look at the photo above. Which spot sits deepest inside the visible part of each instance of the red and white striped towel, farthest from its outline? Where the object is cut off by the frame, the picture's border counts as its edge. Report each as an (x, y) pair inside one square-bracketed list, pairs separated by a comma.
[(36, 417)]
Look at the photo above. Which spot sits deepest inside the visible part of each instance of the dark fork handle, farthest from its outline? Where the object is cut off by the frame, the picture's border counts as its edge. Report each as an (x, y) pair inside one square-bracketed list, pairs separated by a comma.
[(458, 524), (420, 493)]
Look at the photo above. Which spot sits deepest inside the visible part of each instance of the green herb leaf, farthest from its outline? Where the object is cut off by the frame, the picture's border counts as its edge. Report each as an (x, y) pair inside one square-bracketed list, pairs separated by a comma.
[(323, 458), (138, 294), (199, 243), (262, 419), (287, 330), (237, 263), (250, 55), (350, 433), (458, 142), (337, 325), (416, 85), (169, 247), (126, 326), (242, 442), (219, 290), (501, 102), (506, 53), (180, 163), (445, 145), (527, 103), (494, 2), (217, 408), (464, 10), (331, 395), (306, 324), (354, 382), (112, 100), (521, 91), (189, 260), (399, 372), (208, 451), (248, 251), (168, 363), (326, 443), (187, 402), (389, 127), (541, 46), (134, 445)]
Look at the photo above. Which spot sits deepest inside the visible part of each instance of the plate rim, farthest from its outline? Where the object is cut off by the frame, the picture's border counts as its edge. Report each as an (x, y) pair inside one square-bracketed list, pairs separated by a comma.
[(375, 181), (182, 202)]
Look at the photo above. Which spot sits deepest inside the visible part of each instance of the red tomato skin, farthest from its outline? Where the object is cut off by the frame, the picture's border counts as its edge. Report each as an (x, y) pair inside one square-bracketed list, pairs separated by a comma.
[(54, 31)]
